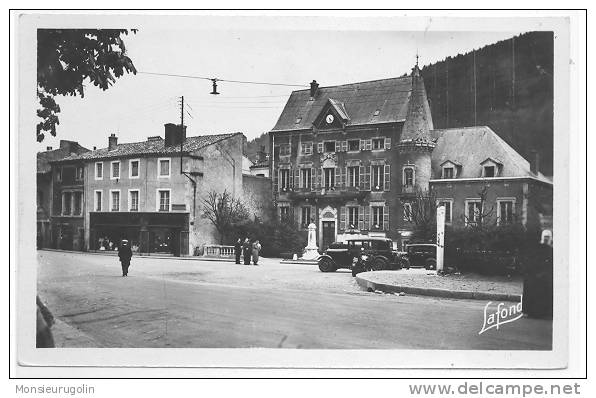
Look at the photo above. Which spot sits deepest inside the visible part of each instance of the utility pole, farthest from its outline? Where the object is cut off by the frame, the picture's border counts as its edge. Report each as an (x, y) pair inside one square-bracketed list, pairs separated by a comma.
[(181, 131)]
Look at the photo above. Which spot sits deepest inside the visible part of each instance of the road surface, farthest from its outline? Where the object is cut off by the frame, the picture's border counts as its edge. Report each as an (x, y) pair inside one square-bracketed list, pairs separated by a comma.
[(189, 303)]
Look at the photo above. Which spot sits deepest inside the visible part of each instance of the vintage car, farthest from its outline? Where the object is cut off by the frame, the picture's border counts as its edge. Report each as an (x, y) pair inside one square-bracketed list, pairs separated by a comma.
[(341, 254), (422, 255)]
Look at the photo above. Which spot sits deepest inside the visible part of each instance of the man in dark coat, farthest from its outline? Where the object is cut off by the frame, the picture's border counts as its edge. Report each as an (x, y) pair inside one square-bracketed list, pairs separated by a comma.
[(246, 251), (125, 254), (538, 279), (238, 250)]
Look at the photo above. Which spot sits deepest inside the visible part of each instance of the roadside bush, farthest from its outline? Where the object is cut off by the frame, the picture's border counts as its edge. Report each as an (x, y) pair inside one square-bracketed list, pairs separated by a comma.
[(278, 238)]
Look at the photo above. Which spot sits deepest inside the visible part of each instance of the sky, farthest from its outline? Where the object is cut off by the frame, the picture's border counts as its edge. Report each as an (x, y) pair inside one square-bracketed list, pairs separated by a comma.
[(137, 106)]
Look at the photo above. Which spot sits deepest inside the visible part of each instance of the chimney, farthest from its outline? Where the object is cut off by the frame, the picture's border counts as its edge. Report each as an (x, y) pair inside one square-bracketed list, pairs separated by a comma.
[(48, 148), (94, 148), (65, 144), (535, 162), (112, 142), (314, 86), (174, 135)]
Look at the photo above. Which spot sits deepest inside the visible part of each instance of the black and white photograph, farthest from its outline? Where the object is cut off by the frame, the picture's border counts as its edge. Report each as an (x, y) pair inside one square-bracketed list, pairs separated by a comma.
[(295, 191)]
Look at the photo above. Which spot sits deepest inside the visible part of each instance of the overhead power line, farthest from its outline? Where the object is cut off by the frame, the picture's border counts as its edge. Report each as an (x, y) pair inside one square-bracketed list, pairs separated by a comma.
[(222, 80)]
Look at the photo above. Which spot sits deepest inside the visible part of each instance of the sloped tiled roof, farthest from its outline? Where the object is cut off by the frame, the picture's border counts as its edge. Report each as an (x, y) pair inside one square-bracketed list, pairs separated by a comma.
[(152, 147), (359, 100), (470, 146), (44, 158)]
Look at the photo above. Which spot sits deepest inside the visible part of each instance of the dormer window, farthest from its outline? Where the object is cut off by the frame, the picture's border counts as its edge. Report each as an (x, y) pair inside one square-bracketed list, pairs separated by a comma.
[(448, 172), (489, 171), (491, 168)]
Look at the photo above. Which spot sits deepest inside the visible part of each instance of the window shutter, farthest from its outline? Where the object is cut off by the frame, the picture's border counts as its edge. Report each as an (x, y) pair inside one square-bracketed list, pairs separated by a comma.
[(279, 180), (369, 144), (275, 181), (343, 177), (386, 218), (361, 218), (362, 178), (320, 147), (338, 177), (387, 177), (319, 172), (342, 218), (388, 143), (344, 146), (313, 176), (337, 146), (313, 215), (367, 216), (367, 178), (362, 145), (296, 178)]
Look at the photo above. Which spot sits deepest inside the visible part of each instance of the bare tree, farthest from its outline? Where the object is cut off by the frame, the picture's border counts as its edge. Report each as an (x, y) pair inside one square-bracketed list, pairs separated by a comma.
[(224, 211), (422, 212), (483, 217)]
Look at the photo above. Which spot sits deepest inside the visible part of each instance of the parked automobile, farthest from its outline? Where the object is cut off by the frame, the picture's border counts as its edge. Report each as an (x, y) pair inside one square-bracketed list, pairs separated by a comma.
[(379, 251), (422, 255)]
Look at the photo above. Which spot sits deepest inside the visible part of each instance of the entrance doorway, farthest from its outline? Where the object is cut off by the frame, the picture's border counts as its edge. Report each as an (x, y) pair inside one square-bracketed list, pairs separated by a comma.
[(328, 233)]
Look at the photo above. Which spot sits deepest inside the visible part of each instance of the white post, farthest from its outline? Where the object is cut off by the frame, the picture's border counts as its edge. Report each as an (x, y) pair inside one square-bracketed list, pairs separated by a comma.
[(440, 237)]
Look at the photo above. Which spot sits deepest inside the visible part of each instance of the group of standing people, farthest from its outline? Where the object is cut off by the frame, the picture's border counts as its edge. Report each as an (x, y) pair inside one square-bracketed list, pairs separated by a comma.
[(247, 250)]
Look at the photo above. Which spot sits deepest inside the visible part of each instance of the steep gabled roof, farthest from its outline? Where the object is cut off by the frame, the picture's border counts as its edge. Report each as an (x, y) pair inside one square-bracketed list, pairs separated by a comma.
[(471, 146), (152, 147), (359, 101)]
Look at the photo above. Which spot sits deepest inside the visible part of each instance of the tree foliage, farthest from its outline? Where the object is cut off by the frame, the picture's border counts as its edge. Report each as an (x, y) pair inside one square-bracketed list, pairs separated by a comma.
[(224, 211), (67, 58)]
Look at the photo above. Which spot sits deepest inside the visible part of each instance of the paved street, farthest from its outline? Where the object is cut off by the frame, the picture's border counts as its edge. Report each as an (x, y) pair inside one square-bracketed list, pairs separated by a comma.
[(189, 303)]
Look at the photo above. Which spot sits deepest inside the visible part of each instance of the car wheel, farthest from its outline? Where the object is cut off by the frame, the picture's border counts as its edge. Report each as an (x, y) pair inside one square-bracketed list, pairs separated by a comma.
[(379, 264), (431, 264), (326, 265)]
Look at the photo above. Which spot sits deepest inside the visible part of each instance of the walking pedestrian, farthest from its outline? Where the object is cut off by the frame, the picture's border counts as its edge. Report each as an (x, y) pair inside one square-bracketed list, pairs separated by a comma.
[(238, 250), (246, 251), (256, 248), (125, 255)]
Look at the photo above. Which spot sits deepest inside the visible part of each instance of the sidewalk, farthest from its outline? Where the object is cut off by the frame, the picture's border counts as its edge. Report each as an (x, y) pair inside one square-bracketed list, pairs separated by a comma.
[(428, 283)]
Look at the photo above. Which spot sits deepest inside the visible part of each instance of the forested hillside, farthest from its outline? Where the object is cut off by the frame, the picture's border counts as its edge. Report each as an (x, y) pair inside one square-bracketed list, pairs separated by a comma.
[(507, 86)]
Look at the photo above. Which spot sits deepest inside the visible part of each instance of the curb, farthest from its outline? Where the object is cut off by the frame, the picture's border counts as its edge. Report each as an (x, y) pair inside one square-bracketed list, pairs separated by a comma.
[(444, 293), (306, 262)]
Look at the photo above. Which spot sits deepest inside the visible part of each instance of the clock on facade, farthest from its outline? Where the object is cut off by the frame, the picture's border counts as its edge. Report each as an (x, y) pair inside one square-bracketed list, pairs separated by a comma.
[(329, 119)]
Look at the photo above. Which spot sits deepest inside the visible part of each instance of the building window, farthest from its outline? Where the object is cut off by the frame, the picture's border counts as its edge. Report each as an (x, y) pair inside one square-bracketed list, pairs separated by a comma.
[(133, 168), (305, 216), (305, 178), (163, 200), (329, 174), (378, 143), (353, 176), (133, 200), (115, 200), (505, 211), (66, 203), (284, 211), (377, 217), (473, 211), (448, 172), (352, 217), (284, 150), (115, 170), (164, 168), (329, 146), (79, 173), (408, 177), (353, 145), (489, 171), (99, 171), (407, 212), (306, 148), (284, 179), (378, 177), (98, 198), (448, 207), (77, 203)]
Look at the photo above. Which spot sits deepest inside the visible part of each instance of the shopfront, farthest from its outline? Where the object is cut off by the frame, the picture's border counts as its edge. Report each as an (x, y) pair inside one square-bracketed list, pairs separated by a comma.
[(148, 233)]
